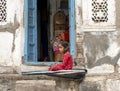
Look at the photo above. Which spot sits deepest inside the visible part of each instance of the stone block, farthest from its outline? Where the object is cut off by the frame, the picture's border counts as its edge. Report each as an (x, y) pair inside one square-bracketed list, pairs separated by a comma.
[(90, 86), (79, 62), (7, 85), (6, 70), (93, 83), (63, 85), (113, 85), (35, 85)]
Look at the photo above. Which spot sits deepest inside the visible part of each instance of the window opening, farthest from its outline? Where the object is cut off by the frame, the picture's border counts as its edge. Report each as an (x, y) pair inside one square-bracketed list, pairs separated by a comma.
[(99, 10), (40, 17), (3, 13), (60, 26)]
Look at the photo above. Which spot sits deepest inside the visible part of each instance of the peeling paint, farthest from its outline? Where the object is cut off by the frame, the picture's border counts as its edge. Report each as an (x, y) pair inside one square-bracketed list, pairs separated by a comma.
[(113, 50), (10, 27), (96, 47), (100, 49)]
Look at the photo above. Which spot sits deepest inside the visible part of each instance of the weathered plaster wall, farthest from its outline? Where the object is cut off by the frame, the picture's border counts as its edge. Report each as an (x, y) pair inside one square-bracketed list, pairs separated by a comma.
[(118, 26), (109, 82), (79, 51), (101, 48), (97, 50), (11, 34), (101, 53)]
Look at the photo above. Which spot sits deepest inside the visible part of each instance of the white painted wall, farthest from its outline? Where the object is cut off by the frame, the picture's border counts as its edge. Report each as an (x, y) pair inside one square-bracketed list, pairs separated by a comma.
[(87, 15), (84, 25), (6, 40), (7, 57)]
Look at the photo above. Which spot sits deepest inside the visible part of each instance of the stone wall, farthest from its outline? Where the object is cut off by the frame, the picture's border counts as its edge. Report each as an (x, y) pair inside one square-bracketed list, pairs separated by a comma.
[(17, 82), (104, 82), (11, 33), (97, 51)]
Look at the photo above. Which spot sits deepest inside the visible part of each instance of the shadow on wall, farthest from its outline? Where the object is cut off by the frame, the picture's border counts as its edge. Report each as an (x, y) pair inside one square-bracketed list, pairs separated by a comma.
[(97, 45)]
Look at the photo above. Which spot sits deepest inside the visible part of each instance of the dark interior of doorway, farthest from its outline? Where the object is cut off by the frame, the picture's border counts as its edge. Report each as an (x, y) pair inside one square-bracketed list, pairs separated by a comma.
[(43, 33)]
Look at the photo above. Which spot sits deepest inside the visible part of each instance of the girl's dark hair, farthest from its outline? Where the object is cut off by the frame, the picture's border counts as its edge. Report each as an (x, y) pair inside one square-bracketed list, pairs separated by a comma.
[(65, 44)]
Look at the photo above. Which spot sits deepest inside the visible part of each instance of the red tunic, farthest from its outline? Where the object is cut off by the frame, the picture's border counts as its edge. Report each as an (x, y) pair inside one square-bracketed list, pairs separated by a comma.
[(65, 65)]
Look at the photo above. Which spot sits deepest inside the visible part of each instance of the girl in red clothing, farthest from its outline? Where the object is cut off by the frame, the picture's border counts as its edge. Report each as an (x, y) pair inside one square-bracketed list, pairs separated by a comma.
[(67, 58)]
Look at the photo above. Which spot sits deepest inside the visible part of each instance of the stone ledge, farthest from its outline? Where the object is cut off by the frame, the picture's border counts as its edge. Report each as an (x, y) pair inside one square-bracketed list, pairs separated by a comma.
[(31, 77), (25, 77)]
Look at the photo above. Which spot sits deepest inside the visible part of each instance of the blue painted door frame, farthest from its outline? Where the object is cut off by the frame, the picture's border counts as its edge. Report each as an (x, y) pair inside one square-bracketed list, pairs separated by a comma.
[(72, 26), (30, 19), (30, 15)]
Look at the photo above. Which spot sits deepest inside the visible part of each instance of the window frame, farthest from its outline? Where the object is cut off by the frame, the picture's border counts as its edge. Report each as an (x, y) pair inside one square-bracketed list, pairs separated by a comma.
[(89, 25), (71, 10)]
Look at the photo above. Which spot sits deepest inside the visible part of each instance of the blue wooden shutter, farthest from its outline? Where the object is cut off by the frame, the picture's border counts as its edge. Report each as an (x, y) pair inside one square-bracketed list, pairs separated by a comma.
[(72, 26), (31, 30)]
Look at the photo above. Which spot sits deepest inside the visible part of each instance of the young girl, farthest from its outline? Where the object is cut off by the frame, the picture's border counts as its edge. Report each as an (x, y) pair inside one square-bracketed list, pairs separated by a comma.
[(67, 58)]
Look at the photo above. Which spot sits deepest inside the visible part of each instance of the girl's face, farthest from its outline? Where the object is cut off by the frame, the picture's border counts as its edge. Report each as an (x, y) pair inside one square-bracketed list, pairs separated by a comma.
[(61, 48)]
